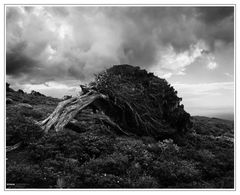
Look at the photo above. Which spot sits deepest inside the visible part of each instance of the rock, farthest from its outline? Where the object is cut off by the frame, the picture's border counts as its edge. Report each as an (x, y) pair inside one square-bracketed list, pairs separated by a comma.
[(66, 97), (9, 101), (25, 105)]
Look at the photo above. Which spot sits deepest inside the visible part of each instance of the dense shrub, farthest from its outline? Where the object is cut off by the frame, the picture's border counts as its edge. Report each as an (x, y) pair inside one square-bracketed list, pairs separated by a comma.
[(159, 115), (89, 179), (31, 113), (170, 173), (72, 145), (93, 160), (20, 129), (145, 182), (31, 176), (115, 164)]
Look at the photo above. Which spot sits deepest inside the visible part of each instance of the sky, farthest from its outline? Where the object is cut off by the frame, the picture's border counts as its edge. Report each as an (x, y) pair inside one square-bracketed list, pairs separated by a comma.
[(54, 49)]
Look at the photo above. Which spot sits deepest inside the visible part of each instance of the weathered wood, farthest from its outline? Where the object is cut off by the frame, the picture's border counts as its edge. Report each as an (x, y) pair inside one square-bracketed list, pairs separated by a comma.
[(67, 110)]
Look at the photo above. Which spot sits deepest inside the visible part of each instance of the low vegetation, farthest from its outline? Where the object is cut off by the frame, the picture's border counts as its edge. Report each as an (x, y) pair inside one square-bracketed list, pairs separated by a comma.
[(200, 154)]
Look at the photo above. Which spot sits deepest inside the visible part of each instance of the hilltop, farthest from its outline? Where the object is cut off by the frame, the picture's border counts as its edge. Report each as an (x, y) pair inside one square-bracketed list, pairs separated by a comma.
[(166, 147)]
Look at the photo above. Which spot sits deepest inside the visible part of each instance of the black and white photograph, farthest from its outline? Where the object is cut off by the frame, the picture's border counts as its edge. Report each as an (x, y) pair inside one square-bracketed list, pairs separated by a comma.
[(119, 97)]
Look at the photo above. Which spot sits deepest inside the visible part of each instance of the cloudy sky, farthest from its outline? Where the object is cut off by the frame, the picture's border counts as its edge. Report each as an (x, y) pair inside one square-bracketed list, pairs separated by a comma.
[(53, 49)]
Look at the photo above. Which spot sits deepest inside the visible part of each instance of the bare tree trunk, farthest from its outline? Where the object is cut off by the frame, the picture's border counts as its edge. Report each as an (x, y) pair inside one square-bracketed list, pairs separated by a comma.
[(67, 110)]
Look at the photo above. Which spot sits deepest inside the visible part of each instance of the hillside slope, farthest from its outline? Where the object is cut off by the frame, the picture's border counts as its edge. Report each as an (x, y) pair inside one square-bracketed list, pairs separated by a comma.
[(92, 155)]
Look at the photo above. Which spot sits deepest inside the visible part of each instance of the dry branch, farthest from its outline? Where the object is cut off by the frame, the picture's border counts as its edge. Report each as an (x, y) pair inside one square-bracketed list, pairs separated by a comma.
[(14, 147), (67, 110)]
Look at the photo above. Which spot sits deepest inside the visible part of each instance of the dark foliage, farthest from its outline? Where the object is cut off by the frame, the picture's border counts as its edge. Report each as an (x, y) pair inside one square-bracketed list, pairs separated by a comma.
[(35, 98), (142, 102), (8, 89), (94, 160), (29, 176), (71, 145), (20, 129), (35, 93), (20, 91)]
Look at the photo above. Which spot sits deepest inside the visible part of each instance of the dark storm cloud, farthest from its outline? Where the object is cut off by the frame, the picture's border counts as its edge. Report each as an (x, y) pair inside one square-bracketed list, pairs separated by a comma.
[(140, 53), (167, 25), (179, 26), (76, 73), (75, 42), (18, 63), (29, 9), (218, 24), (12, 14), (213, 15)]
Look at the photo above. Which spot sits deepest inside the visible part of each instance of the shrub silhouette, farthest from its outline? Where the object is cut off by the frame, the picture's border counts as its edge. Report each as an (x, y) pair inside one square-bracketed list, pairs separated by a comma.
[(155, 104)]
